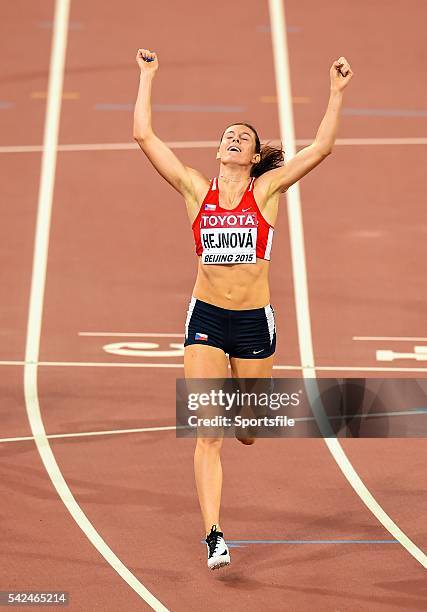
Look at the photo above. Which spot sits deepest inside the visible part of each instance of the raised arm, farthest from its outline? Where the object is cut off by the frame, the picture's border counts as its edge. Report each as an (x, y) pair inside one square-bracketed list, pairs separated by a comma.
[(280, 179), (182, 178)]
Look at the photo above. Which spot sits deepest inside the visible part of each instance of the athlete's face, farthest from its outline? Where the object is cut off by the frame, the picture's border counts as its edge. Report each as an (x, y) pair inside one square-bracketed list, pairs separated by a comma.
[(238, 146)]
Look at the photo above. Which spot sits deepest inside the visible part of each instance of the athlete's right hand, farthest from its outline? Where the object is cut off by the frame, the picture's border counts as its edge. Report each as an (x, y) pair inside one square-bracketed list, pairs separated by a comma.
[(144, 66)]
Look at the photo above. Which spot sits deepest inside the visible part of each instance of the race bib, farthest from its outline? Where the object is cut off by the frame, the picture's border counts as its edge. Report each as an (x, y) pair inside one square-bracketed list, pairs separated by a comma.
[(229, 238)]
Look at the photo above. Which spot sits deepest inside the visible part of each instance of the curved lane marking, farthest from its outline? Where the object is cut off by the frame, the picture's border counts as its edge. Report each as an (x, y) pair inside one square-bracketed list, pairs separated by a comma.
[(299, 272), (32, 349)]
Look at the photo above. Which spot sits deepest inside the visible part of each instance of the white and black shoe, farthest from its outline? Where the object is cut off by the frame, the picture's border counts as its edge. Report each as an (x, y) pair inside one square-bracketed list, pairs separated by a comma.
[(218, 553)]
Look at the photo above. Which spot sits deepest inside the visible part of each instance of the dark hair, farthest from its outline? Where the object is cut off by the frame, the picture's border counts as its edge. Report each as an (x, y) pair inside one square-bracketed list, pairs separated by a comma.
[(271, 157)]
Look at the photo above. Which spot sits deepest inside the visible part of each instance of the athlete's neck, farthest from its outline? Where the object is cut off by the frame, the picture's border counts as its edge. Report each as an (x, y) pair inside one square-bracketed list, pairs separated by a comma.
[(234, 179), (235, 175)]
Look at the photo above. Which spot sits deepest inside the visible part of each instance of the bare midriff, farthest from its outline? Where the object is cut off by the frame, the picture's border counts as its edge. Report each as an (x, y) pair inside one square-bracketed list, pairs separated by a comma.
[(236, 287)]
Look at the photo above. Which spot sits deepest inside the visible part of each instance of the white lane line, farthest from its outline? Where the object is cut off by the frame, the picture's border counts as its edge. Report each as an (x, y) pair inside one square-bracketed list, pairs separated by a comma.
[(83, 434), (109, 146), (391, 338), (112, 364), (373, 141), (45, 199), (133, 334), (111, 432), (366, 369), (124, 364), (281, 62), (202, 144)]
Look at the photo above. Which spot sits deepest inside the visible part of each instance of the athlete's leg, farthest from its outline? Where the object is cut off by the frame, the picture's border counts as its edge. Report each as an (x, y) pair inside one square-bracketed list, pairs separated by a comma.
[(253, 332), (207, 362), (250, 368)]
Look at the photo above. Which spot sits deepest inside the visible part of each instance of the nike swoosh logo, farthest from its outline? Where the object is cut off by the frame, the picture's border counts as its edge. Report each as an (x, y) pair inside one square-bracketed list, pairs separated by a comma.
[(246, 209), (256, 352)]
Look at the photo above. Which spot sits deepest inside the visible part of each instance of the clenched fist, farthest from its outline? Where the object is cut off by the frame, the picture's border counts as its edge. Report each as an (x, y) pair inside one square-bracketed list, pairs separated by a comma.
[(341, 74), (147, 61)]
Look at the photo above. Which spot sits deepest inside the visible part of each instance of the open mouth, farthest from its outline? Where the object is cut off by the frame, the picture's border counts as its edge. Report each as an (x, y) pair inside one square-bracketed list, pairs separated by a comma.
[(234, 148)]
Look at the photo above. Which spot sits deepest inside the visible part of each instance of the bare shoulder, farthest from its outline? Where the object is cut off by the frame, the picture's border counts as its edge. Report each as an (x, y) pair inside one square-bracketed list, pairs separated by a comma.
[(265, 184), (264, 189), (199, 188), (278, 180), (200, 183), (267, 198)]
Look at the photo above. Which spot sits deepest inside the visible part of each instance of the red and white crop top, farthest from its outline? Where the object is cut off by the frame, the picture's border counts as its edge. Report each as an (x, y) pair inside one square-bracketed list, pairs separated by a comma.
[(240, 235)]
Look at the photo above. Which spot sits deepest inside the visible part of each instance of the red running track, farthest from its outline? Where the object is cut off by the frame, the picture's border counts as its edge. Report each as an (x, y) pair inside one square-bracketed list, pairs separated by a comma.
[(110, 269)]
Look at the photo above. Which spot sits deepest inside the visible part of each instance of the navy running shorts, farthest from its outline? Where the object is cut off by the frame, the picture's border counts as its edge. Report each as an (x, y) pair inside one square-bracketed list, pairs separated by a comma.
[(247, 334)]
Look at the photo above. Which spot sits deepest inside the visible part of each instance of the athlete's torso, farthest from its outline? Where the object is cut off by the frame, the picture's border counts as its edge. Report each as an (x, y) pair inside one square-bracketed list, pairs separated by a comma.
[(238, 284), (239, 235)]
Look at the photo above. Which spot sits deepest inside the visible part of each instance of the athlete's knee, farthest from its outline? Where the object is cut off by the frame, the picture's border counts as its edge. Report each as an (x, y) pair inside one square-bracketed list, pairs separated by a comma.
[(213, 443)]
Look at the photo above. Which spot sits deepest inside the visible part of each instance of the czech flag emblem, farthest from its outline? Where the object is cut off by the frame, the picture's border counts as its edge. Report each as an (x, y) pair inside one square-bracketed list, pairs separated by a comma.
[(210, 206), (199, 336)]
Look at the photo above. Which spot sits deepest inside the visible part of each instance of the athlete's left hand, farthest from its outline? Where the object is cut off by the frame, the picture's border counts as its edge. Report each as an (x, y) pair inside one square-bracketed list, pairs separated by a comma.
[(341, 74)]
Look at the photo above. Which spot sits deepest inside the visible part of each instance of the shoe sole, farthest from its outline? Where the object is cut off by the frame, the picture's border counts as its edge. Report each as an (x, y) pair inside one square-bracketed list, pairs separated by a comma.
[(220, 562), (219, 565)]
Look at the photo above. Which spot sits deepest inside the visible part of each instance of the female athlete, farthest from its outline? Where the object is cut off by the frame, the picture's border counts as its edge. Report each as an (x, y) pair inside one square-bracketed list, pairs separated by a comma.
[(230, 320)]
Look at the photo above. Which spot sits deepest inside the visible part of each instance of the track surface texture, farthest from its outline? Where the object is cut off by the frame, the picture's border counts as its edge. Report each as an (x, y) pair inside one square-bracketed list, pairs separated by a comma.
[(113, 518)]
